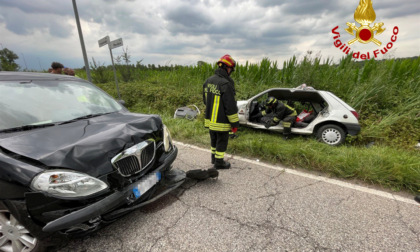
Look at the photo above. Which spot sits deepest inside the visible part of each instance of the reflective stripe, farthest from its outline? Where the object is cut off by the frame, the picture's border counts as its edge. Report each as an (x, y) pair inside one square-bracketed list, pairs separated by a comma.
[(276, 119), (229, 64), (219, 126), (263, 113), (213, 150), (206, 123), (220, 155), (294, 111), (233, 118), (287, 124), (215, 108)]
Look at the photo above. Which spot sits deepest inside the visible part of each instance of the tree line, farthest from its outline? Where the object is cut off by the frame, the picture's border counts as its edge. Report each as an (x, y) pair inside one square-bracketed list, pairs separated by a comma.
[(7, 60)]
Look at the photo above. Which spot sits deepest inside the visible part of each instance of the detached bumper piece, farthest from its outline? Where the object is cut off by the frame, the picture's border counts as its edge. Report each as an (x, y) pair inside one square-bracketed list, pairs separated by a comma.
[(202, 174)]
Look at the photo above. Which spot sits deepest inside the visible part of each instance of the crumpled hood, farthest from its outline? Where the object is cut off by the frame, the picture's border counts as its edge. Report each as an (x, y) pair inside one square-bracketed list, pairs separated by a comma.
[(86, 145)]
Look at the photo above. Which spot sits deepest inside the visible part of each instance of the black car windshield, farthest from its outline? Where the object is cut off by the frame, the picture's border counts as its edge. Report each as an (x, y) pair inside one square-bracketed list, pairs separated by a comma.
[(44, 102)]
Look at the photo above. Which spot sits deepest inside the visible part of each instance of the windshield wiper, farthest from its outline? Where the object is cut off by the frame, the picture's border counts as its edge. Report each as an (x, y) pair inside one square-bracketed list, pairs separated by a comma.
[(27, 127), (83, 117)]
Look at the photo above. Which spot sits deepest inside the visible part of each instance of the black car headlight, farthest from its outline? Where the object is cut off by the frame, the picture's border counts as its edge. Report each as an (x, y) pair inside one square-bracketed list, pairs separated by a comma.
[(167, 140), (67, 184)]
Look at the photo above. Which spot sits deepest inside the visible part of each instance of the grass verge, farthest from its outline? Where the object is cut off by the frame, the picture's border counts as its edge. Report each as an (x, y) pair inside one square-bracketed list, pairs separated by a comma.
[(378, 164)]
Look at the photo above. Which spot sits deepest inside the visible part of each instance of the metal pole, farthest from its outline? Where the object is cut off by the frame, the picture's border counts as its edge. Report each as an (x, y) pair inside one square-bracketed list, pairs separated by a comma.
[(23, 56), (115, 72), (39, 62), (82, 43), (1, 69)]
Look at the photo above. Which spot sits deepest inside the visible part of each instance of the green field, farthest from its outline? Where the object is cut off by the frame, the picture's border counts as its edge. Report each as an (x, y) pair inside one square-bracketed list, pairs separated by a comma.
[(385, 93)]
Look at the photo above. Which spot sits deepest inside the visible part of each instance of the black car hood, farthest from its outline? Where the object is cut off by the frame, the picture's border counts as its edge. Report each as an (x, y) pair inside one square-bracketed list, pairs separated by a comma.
[(86, 145)]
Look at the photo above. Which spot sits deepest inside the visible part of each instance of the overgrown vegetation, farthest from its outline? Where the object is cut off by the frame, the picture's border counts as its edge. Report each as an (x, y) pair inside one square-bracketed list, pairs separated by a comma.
[(385, 93)]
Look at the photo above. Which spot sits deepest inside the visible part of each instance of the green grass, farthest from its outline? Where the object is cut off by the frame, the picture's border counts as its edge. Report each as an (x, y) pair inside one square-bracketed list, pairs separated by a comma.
[(382, 165), (385, 93)]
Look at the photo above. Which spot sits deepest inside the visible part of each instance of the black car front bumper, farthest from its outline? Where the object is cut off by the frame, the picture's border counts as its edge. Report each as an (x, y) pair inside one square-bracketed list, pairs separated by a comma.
[(105, 210), (171, 179)]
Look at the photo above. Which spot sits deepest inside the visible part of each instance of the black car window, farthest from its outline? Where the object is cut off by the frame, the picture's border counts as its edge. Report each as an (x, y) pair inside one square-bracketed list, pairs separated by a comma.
[(40, 102)]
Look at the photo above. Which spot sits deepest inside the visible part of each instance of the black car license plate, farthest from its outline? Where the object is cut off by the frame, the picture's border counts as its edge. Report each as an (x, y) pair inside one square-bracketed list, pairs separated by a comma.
[(146, 183)]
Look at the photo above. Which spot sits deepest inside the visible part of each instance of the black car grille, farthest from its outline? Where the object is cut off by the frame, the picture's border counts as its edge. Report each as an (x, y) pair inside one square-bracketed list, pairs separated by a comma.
[(128, 166), (129, 163), (147, 154)]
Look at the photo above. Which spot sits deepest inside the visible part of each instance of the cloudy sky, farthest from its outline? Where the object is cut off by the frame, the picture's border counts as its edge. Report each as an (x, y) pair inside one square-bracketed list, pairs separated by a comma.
[(165, 32)]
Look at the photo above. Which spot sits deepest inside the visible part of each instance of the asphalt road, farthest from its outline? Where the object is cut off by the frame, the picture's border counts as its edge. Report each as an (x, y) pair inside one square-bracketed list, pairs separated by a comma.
[(259, 207)]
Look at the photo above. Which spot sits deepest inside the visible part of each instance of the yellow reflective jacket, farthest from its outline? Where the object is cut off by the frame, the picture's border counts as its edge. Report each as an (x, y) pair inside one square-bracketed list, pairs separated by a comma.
[(219, 98)]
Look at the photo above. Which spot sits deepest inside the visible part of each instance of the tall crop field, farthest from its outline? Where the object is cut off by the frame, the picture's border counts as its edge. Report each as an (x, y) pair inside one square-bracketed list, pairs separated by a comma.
[(385, 93)]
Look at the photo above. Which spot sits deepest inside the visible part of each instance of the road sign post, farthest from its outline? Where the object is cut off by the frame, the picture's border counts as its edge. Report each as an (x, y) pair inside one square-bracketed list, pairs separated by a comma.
[(82, 42), (111, 45), (103, 41)]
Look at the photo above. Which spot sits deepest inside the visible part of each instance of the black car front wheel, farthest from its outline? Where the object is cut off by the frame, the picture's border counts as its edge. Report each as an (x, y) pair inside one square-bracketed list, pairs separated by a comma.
[(14, 236), (331, 134)]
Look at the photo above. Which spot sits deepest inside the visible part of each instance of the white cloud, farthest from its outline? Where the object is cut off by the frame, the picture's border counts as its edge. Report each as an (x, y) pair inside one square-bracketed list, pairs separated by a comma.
[(186, 31)]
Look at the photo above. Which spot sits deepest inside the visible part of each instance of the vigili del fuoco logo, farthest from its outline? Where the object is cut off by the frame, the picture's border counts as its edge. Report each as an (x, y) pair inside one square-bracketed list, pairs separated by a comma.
[(365, 33)]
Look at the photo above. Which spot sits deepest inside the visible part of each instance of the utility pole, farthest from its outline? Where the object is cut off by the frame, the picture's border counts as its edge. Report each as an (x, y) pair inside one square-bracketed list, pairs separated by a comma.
[(82, 43), (26, 67), (1, 69), (39, 62)]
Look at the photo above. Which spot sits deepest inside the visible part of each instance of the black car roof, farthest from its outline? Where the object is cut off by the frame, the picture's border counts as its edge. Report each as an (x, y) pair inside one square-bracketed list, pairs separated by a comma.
[(26, 76)]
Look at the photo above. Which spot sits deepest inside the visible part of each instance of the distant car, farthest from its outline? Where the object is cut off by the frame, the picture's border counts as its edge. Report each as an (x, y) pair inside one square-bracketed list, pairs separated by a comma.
[(330, 119), (72, 159)]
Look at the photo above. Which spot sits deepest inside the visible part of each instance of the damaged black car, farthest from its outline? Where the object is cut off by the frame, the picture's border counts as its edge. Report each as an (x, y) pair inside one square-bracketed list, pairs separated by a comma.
[(73, 159)]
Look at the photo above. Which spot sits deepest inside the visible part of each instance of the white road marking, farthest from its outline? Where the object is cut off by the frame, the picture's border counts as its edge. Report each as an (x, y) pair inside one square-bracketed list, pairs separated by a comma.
[(307, 175)]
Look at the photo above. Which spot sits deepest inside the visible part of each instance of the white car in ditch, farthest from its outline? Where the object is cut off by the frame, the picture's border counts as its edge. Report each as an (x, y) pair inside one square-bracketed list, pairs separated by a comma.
[(320, 113)]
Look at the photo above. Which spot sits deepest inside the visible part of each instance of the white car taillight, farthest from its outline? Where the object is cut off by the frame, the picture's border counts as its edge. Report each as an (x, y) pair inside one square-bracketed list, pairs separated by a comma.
[(355, 114)]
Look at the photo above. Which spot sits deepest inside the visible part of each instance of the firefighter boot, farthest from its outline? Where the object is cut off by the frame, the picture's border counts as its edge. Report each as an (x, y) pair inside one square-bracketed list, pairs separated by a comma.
[(221, 164), (417, 198), (287, 133), (213, 158)]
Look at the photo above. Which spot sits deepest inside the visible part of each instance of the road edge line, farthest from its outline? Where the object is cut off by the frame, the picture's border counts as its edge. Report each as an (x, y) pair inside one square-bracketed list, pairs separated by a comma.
[(310, 176)]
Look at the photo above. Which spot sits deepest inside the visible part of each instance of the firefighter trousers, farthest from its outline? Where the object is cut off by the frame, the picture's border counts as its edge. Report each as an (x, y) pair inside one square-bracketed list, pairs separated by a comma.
[(219, 142), (287, 123)]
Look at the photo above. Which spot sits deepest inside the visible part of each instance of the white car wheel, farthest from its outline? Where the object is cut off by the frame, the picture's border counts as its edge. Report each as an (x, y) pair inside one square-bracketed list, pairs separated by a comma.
[(331, 134), (14, 236)]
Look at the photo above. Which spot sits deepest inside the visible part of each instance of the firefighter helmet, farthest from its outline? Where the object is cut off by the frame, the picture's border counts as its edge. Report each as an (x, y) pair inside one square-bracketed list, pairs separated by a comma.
[(227, 60), (271, 101)]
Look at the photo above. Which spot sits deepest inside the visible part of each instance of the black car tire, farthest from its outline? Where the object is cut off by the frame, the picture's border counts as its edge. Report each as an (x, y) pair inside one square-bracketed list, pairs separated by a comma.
[(17, 236), (331, 134)]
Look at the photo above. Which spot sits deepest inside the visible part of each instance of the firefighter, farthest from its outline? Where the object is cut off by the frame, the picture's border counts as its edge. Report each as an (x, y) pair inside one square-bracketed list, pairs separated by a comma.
[(275, 111), (221, 115)]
